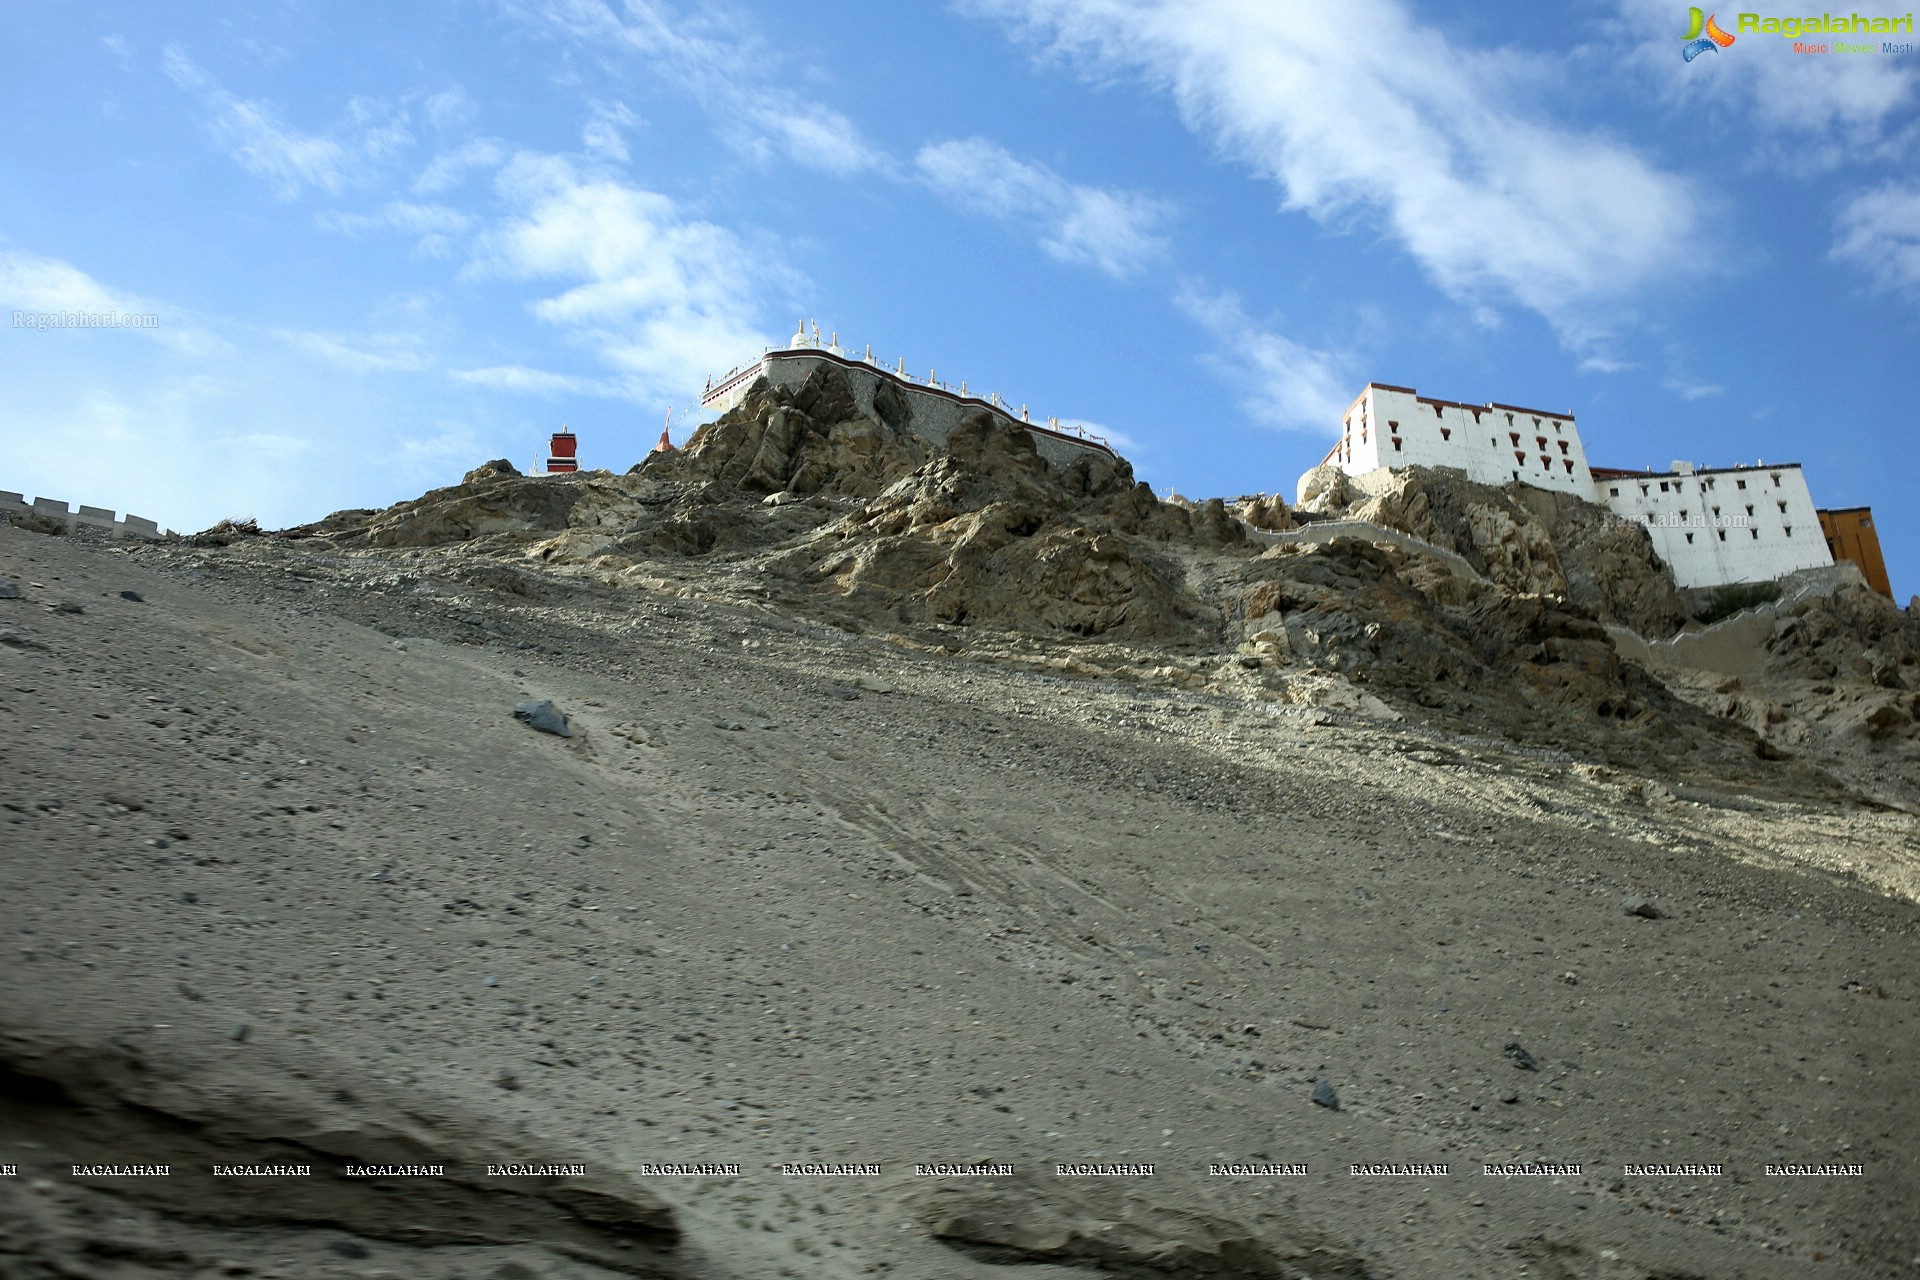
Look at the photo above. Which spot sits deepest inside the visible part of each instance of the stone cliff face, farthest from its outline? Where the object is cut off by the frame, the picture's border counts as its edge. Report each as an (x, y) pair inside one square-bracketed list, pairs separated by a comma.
[(1527, 540)]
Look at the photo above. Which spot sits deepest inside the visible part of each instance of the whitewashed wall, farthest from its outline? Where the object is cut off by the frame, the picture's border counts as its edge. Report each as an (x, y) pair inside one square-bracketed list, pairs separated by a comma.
[(1714, 527)]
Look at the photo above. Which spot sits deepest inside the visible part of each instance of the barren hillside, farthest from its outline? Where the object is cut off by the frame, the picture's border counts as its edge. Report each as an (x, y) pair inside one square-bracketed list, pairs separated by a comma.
[(935, 806)]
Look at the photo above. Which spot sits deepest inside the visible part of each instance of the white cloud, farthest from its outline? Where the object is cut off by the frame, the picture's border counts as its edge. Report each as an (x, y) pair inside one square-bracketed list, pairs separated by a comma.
[(398, 215), (448, 168), (664, 298), (730, 71), (1120, 440), (1878, 232), (602, 135), (32, 283), (520, 378), (1769, 89), (1354, 108), (374, 353), (1694, 390), (1117, 232), (451, 109), (1281, 383), (290, 160)]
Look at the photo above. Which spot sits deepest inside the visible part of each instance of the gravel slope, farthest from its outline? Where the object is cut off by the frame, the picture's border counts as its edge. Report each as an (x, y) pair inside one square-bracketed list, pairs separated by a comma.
[(283, 875)]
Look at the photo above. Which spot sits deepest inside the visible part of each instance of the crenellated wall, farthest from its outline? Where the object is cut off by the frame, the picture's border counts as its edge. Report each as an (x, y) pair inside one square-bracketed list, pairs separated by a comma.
[(86, 517)]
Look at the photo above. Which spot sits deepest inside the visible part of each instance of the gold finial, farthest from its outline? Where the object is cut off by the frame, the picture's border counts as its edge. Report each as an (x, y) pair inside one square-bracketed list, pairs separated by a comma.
[(933, 377), (901, 367), (963, 386), (869, 353)]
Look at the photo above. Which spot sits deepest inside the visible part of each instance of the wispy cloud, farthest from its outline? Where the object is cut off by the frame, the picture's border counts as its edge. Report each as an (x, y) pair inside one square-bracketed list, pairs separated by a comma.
[(1786, 103), (372, 353), (1694, 390), (1281, 383), (520, 378), (31, 282), (1878, 232), (663, 298), (1358, 111), (604, 134), (1120, 440), (291, 161), (1118, 232), (734, 74), (450, 168), (398, 215)]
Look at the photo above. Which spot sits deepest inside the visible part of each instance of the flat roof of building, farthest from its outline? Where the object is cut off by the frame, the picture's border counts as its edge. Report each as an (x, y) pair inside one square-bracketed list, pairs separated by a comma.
[(1622, 473), (1461, 404)]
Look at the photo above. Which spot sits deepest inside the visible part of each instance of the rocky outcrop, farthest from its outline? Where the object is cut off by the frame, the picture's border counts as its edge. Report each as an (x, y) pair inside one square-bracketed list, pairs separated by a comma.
[(1125, 1233), (810, 440), (989, 534), (1530, 541), (1267, 512), (71, 1101)]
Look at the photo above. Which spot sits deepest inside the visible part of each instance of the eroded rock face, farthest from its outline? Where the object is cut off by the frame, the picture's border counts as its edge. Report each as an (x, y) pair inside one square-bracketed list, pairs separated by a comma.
[(990, 534), (1530, 541), (1124, 1233), (811, 440), (1528, 665), (71, 1101)]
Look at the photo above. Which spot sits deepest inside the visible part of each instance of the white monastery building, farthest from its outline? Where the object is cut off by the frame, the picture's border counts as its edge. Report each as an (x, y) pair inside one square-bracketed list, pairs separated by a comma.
[(933, 407), (1712, 526)]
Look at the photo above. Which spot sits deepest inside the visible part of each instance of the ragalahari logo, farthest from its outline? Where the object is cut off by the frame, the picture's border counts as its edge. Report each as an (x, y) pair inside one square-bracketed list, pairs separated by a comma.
[(1699, 43)]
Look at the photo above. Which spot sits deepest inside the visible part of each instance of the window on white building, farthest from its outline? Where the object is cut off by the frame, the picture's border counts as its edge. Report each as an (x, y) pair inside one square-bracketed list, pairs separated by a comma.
[(1789, 531), (1723, 535), (1741, 483), (1776, 480), (1663, 486), (1689, 539), (1613, 491)]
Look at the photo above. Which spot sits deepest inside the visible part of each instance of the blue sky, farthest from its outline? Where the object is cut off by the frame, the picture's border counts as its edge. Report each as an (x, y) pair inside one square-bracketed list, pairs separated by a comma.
[(383, 243)]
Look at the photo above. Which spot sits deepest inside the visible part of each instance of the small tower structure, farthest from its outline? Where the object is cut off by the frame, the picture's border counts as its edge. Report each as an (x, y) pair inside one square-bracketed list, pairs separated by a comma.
[(562, 452)]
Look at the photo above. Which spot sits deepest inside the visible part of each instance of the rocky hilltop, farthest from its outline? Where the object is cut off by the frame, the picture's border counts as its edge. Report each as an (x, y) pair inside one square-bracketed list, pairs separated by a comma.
[(1490, 615), (698, 872)]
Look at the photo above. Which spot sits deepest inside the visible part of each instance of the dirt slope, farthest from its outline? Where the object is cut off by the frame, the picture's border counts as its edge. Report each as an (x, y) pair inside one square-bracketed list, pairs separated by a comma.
[(283, 875)]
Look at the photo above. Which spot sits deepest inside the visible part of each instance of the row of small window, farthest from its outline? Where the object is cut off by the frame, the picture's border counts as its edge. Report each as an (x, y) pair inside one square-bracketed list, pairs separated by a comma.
[(1716, 511), (1679, 486), (1751, 533)]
